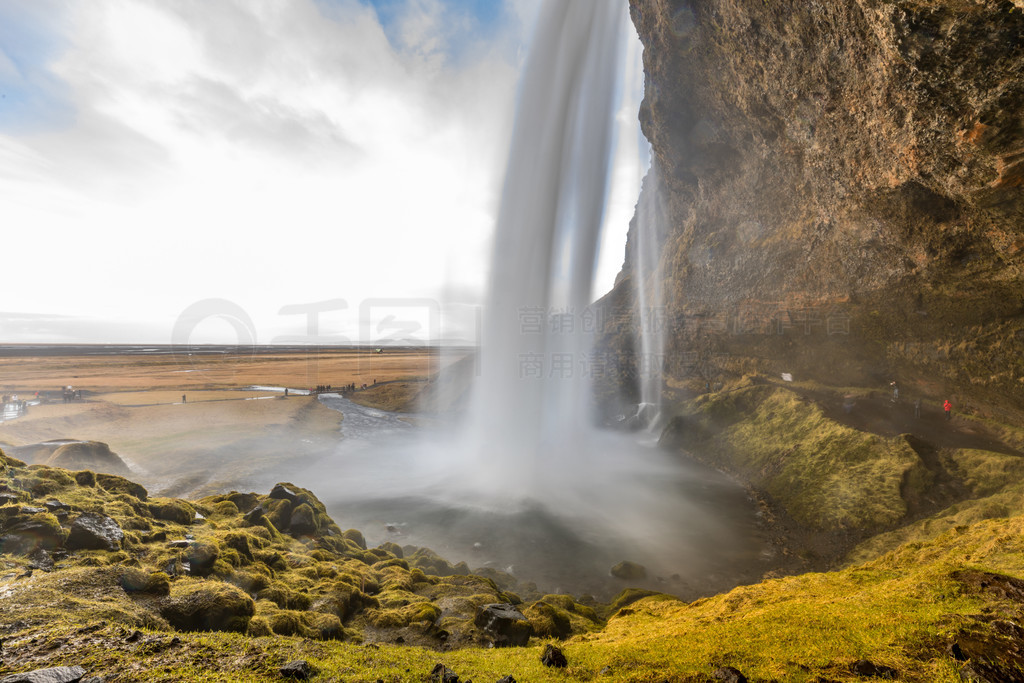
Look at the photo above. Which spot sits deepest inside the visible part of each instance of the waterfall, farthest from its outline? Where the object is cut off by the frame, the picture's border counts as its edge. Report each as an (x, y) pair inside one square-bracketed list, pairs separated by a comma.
[(531, 399)]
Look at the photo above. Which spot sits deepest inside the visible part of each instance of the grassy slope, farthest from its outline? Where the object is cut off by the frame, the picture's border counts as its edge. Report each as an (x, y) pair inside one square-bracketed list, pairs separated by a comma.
[(826, 475)]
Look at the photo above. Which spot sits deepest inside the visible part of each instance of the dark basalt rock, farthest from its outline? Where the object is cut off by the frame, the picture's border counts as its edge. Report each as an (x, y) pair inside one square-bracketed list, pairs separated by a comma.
[(279, 492), (300, 669), (442, 674), (504, 624), (58, 674), (729, 675), (91, 531), (553, 657), (26, 536)]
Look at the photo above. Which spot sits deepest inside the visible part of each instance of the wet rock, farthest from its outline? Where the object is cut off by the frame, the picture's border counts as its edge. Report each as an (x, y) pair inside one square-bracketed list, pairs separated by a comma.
[(40, 559), (729, 675), (55, 505), (279, 492), (254, 516), (504, 625), (57, 674), (181, 543), (442, 674), (300, 669), (507, 679), (629, 571), (863, 667), (91, 531), (26, 536), (553, 657)]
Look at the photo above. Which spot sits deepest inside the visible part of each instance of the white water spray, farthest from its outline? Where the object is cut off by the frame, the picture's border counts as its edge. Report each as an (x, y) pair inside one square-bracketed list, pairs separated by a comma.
[(529, 414)]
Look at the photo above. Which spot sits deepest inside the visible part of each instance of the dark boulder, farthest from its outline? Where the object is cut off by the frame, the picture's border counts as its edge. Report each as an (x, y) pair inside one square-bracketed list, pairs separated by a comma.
[(504, 624), (553, 657), (300, 669), (280, 492), (91, 531), (57, 674)]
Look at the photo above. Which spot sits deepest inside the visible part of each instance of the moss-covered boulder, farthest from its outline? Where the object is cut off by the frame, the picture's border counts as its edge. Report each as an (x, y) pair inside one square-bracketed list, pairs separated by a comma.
[(87, 455), (26, 534), (207, 606)]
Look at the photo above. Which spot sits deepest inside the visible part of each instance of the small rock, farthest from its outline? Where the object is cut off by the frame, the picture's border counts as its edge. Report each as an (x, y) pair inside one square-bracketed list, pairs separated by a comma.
[(180, 543), (507, 679), (30, 510), (135, 636), (606, 671), (956, 652), (299, 669), (40, 559), (442, 674), (9, 498), (729, 675), (58, 674), (91, 531), (553, 657), (54, 505), (863, 667)]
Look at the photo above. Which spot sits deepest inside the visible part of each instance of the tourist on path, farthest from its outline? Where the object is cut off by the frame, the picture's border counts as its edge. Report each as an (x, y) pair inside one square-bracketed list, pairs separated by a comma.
[(948, 407)]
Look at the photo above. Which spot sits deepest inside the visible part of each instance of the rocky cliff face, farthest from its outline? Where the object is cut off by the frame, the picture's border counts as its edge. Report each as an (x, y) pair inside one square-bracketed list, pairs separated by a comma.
[(841, 186)]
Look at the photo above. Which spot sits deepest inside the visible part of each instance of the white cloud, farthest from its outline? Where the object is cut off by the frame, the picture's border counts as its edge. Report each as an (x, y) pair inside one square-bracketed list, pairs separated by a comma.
[(254, 150)]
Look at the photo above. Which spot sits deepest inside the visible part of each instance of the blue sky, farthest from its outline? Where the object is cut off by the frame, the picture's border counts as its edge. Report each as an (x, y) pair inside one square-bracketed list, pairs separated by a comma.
[(271, 153)]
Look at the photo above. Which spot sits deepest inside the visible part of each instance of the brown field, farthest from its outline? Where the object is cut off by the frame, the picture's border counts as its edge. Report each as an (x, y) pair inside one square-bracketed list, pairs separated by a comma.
[(222, 436)]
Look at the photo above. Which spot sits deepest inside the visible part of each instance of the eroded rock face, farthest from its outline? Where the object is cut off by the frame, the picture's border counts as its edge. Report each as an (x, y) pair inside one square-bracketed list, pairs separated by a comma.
[(840, 186)]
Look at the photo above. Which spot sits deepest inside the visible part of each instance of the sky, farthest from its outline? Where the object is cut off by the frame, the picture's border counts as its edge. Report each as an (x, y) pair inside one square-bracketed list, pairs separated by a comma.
[(310, 171)]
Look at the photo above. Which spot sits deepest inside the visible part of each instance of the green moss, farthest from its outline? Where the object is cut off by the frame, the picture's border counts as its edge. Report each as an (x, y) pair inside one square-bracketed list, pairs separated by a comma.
[(171, 510), (207, 606), (116, 484), (152, 583), (826, 475), (285, 597)]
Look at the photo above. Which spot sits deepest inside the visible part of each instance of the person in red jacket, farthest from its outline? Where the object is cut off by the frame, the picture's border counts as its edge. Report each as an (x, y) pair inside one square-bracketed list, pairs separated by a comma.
[(948, 407)]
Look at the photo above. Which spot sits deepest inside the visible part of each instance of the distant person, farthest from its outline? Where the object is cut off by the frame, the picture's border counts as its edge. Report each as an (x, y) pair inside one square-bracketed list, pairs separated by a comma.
[(895, 391), (948, 408), (917, 408), (183, 398), (286, 392)]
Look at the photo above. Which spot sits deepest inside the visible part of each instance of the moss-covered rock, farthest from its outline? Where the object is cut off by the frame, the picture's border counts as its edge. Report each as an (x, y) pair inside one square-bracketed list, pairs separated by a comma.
[(116, 484), (207, 606), (171, 510), (150, 583)]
